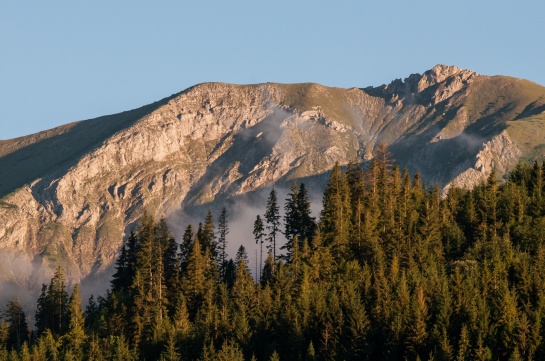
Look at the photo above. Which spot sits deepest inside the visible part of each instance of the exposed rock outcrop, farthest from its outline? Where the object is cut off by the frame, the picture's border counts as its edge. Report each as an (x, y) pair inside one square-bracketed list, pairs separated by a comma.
[(216, 141)]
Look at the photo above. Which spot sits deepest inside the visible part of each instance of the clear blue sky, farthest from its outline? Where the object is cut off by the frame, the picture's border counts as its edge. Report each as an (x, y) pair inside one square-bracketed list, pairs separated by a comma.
[(63, 61)]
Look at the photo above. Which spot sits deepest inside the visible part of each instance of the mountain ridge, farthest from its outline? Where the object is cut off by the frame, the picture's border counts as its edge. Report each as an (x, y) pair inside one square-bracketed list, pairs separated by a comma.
[(81, 186)]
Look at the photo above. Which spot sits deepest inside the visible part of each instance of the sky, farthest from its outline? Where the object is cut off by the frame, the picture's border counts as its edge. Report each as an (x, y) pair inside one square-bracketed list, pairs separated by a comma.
[(64, 61)]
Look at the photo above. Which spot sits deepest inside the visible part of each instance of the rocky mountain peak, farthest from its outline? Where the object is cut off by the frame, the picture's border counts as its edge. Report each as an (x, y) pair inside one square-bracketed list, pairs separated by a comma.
[(68, 196), (440, 73), (417, 83)]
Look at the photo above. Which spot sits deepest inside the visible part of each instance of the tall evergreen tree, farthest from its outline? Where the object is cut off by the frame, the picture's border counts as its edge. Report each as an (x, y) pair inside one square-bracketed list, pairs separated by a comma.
[(170, 261), (335, 222), (297, 220), (307, 228), (207, 236), (43, 312), (188, 239), (194, 282), (267, 274), (76, 333), (119, 278), (242, 256), (52, 307), (258, 236), (130, 264), (272, 217), (18, 331), (292, 215), (331, 204), (223, 231), (146, 256)]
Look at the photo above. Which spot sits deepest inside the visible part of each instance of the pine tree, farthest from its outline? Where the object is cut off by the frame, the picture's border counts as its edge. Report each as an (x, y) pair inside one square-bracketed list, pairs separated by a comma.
[(272, 217), (243, 296), (18, 331), (119, 349), (200, 236), (48, 347), (146, 256), (418, 333), (537, 205), (130, 265), (258, 236), (230, 273), (181, 316), (274, 356), (207, 236), (194, 282), (331, 205), (308, 226), (76, 333), (223, 231), (335, 222), (188, 239), (464, 344), (242, 256), (170, 353), (267, 274), (311, 354), (292, 217), (25, 353), (507, 322), (171, 263), (356, 182), (52, 307), (490, 205), (297, 219), (119, 278), (229, 352)]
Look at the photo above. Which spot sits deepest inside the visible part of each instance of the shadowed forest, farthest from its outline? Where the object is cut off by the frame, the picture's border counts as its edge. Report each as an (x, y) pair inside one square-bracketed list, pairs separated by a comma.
[(390, 271)]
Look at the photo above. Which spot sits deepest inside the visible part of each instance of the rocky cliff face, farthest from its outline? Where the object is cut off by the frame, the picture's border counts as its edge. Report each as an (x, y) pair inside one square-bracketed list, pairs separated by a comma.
[(69, 194)]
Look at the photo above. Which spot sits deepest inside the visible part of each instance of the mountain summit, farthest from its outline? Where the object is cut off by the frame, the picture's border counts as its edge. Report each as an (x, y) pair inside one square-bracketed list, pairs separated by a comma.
[(68, 195)]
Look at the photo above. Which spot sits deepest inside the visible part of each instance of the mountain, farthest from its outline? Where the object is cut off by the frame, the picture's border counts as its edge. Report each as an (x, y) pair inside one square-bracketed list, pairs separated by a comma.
[(68, 195)]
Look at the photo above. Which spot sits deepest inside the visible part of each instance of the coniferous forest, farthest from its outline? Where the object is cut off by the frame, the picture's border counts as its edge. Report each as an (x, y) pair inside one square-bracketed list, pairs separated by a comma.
[(391, 270)]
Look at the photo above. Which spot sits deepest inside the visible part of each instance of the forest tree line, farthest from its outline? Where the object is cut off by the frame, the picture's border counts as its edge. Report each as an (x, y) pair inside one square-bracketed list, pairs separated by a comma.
[(390, 271)]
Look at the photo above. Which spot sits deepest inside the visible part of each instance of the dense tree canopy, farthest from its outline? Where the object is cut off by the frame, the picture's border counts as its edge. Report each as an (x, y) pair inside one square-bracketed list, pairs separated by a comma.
[(391, 271)]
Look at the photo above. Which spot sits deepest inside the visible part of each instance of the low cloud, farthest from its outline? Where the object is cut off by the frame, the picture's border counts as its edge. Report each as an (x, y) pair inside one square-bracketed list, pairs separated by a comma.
[(241, 214)]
